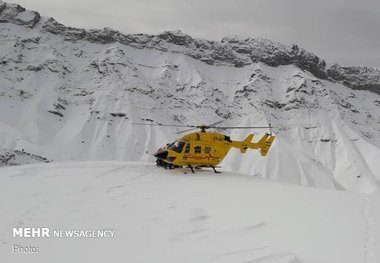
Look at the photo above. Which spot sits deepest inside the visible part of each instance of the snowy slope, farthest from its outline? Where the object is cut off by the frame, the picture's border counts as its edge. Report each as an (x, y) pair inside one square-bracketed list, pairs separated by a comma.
[(71, 94), (169, 216)]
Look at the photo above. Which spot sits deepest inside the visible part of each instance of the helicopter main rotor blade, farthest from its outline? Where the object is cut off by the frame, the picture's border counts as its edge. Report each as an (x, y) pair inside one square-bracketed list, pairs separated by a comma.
[(204, 127), (200, 127), (244, 127), (166, 125), (213, 124), (186, 130), (176, 125)]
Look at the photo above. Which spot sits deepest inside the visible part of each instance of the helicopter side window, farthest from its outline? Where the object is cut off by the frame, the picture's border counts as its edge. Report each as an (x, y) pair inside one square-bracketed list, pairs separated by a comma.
[(197, 149), (207, 149), (187, 149), (176, 146)]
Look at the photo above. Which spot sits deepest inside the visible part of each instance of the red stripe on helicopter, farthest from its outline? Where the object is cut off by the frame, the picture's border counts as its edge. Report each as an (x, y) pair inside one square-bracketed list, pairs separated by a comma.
[(185, 157)]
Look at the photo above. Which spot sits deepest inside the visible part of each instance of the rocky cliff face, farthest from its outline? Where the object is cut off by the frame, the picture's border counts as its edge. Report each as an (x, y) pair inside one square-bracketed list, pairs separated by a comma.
[(11, 13), (71, 94), (234, 51), (363, 78)]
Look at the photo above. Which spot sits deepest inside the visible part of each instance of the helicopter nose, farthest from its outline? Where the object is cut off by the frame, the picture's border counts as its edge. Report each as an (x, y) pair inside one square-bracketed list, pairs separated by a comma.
[(161, 154)]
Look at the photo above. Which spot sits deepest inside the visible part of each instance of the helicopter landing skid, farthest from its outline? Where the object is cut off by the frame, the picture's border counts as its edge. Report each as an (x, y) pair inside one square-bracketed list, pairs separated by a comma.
[(213, 167), (169, 166), (215, 171)]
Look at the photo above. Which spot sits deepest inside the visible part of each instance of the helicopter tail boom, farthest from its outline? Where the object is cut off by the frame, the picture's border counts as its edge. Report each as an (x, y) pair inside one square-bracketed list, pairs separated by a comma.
[(244, 145)]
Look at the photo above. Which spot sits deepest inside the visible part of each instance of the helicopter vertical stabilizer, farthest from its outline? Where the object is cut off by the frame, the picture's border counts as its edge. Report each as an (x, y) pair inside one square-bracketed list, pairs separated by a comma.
[(266, 144), (263, 144), (243, 145)]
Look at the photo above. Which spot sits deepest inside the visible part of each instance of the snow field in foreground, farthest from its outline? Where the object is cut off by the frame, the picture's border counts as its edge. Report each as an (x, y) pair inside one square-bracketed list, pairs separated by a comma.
[(169, 216)]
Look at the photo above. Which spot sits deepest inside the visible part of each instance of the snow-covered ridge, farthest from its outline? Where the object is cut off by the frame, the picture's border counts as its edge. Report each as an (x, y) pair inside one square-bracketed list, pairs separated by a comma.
[(234, 51)]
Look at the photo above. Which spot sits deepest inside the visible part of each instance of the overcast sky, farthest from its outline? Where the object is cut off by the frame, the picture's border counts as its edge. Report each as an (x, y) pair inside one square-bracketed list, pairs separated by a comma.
[(343, 31)]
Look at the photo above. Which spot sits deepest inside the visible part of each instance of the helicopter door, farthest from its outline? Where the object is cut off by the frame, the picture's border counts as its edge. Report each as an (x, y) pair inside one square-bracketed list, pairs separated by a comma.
[(207, 150), (197, 149), (187, 148)]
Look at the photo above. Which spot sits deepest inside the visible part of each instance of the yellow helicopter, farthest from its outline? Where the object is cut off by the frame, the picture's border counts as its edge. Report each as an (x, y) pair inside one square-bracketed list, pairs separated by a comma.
[(206, 148)]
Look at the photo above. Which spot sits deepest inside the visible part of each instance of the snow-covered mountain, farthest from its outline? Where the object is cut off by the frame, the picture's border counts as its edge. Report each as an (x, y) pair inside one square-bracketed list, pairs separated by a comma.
[(71, 94)]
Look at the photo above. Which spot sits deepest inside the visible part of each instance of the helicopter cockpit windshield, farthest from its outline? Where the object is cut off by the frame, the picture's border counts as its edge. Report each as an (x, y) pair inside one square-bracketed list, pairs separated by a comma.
[(176, 146)]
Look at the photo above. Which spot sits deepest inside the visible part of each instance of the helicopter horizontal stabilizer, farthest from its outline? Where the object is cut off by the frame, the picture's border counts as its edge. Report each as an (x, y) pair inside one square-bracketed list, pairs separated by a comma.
[(246, 143)]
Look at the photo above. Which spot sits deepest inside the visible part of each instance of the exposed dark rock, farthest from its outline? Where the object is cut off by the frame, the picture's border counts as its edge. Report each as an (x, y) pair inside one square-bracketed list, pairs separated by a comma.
[(136, 40), (69, 33), (25, 94), (34, 68), (2, 6), (12, 13), (276, 54), (361, 78), (34, 40), (55, 66), (176, 38), (6, 158), (102, 36), (274, 104), (59, 107), (118, 114), (246, 92), (56, 113)]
